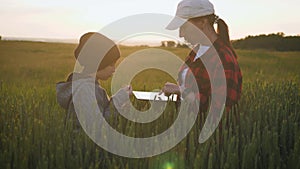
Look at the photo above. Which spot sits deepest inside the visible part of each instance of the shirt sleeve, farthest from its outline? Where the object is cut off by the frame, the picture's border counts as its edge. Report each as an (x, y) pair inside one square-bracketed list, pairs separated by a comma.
[(120, 99)]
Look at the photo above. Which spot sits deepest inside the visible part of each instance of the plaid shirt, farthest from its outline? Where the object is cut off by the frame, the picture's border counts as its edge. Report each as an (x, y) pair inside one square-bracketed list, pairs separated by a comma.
[(213, 64)]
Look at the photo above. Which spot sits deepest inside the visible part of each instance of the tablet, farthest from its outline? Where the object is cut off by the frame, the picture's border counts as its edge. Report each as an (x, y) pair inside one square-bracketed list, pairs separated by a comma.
[(142, 95)]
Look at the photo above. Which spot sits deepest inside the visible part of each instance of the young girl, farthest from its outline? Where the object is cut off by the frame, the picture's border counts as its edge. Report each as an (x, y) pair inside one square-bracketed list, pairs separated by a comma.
[(92, 47)]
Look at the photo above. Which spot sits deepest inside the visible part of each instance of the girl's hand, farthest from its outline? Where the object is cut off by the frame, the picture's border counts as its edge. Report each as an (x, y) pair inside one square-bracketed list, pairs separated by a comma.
[(128, 90)]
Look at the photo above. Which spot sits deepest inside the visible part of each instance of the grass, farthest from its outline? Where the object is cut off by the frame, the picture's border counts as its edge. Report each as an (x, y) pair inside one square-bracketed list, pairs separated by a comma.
[(32, 132)]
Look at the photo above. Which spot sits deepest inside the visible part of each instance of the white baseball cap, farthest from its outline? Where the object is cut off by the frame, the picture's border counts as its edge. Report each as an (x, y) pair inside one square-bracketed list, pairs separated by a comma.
[(188, 9)]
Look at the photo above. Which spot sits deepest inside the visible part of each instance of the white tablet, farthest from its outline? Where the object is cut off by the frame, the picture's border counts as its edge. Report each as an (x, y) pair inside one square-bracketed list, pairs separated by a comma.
[(141, 95)]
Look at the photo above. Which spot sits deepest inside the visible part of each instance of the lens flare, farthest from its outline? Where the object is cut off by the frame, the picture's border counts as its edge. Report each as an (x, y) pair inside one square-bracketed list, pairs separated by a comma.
[(169, 166)]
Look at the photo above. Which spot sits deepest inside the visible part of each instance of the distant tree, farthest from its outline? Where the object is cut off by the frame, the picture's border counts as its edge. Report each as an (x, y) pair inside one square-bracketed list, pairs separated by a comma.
[(0, 37), (280, 34), (181, 45), (171, 44), (168, 44), (273, 41)]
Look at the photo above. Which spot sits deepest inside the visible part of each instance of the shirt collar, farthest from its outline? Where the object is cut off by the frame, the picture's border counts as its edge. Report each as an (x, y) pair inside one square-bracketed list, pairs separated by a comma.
[(201, 51)]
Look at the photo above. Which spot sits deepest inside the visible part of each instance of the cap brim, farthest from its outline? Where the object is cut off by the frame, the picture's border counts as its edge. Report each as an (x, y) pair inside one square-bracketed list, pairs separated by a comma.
[(176, 23)]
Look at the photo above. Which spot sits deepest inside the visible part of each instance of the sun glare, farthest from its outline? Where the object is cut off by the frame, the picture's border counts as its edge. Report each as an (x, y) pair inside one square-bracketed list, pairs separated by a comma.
[(169, 166)]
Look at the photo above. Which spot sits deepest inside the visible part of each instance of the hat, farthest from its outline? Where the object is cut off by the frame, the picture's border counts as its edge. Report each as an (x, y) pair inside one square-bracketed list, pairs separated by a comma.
[(188, 9)]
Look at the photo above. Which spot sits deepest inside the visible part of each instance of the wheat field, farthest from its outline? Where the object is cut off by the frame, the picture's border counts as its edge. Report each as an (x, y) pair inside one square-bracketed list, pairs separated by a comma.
[(264, 132)]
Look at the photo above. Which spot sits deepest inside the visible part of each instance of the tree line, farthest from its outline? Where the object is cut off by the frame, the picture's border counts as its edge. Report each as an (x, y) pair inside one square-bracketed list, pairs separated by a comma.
[(173, 44), (278, 42)]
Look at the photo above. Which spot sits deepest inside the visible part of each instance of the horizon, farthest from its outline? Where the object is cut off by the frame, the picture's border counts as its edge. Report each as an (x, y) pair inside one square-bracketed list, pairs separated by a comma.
[(138, 42)]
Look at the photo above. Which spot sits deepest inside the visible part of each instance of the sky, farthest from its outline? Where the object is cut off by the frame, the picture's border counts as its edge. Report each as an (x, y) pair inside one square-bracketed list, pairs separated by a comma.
[(68, 19)]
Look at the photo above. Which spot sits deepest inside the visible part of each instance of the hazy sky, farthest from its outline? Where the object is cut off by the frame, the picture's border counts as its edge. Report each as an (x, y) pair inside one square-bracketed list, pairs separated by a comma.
[(71, 18)]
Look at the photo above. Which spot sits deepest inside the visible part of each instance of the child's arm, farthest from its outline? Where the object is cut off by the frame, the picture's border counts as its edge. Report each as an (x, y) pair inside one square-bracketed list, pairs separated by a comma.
[(121, 98)]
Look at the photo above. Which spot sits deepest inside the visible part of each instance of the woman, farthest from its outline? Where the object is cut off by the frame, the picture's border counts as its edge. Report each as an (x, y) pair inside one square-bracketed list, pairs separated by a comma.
[(93, 47), (195, 20)]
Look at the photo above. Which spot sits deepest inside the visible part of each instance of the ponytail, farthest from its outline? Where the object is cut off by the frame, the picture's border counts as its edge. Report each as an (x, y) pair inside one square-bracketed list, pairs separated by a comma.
[(222, 30), (223, 33)]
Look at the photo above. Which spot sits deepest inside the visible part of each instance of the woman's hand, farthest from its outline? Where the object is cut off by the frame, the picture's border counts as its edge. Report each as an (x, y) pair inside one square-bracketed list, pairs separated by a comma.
[(170, 88)]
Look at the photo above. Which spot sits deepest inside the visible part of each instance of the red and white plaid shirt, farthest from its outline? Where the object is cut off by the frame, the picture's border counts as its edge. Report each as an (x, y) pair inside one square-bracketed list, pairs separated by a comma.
[(212, 58)]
